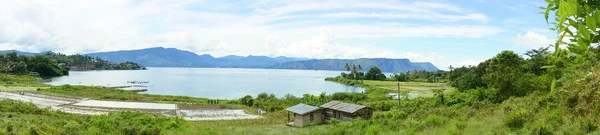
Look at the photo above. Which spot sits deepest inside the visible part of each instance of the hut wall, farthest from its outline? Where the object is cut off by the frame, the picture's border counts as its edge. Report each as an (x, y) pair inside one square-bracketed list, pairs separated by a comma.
[(304, 120), (365, 113), (299, 120)]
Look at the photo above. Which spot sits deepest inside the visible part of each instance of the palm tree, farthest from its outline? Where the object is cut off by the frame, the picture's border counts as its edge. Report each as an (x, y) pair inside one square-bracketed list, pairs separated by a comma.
[(354, 72), (360, 69), (347, 67)]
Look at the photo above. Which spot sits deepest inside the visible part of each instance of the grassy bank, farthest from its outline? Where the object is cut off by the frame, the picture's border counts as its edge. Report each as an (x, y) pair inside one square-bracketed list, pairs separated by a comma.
[(11, 83), (25, 118), (7, 79), (100, 93), (415, 88)]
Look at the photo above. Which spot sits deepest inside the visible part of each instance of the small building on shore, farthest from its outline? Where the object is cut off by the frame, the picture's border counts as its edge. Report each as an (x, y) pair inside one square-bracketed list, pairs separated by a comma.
[(304, 115), (345, 111)]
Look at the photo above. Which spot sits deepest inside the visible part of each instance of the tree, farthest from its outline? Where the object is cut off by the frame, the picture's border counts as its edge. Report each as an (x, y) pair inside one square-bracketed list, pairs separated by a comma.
[(12, 56), (354, 72), (537, 59), (347, 67), (401, 77), (323, 97), (375, 74), (360, 75), (20, 68), (247, 100), (504, 70), (47, 67), (262, 96)]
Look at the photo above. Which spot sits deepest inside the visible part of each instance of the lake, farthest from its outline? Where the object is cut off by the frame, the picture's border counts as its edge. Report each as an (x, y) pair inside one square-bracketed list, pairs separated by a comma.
[(223, 83)]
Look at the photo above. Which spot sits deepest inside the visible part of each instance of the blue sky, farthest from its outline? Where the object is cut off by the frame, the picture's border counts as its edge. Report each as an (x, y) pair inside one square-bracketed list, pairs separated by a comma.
[(444, 32)]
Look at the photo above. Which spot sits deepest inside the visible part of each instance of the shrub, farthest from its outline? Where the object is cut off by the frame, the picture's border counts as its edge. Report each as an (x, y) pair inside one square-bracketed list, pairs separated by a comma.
[(516, 120), (348, 96), (373, 130), (390, 115), (433, 120), (334, 121)]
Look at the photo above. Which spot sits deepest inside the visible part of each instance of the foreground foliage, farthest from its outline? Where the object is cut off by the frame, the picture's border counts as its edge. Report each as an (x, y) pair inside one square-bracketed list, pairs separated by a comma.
[(26, 118)]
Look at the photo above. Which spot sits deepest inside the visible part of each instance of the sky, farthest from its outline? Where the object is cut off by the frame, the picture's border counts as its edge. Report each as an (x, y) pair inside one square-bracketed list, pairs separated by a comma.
[(443, 32)]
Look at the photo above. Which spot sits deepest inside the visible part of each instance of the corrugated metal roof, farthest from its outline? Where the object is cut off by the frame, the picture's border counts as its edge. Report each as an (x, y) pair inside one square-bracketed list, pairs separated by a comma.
[(302, 109), (341, 106)]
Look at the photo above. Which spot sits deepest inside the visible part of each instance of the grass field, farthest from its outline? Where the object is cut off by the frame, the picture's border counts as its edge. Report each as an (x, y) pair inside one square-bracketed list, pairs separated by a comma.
[(19, 88), (99, 93), (415, 88)]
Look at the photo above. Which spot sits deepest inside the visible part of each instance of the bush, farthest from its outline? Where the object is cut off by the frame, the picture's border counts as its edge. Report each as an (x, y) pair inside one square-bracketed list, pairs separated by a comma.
[(516, 120), (390, 115), (382, 105), (334, 121), (348, 96), (433, 120)]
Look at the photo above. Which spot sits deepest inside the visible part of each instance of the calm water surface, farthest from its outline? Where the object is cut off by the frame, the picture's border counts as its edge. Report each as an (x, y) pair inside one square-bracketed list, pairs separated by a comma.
[(225, 83)]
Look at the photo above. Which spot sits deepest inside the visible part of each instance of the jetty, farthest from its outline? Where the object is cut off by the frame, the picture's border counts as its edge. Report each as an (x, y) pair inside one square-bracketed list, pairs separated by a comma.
[(116, 87), (138, 82), (124, 88)]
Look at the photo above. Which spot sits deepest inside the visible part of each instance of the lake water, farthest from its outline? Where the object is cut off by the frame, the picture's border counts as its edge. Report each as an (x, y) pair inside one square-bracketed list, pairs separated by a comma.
[(224, 83)]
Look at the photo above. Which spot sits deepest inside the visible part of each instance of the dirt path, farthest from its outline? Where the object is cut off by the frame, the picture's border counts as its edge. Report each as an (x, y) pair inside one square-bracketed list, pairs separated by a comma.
[(97, 107)]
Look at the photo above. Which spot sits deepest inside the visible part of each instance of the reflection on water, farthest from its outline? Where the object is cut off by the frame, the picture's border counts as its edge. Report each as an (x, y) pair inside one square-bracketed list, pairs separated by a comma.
[(213, 82)]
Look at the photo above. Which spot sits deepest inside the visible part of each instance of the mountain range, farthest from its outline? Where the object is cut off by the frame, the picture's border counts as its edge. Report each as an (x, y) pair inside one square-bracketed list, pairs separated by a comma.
[(385, 64), (172, 57)]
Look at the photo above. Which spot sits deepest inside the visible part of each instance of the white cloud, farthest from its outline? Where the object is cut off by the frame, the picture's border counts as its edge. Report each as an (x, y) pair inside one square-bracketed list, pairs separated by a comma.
[(437, 5), (323, 46), (470, 63), (513, 21), (429, 16), (532, 40), (74, 26)]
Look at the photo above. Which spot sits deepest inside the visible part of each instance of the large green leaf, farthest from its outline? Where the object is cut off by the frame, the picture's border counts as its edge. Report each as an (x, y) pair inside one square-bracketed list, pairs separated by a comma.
[(591, 22), (584, 32)]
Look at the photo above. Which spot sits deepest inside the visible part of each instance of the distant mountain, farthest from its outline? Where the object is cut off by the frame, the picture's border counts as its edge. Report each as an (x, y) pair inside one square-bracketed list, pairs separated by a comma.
[(253, 61), (18, 52), (426, 66), (158, 57), (386, 65), (171, 57)]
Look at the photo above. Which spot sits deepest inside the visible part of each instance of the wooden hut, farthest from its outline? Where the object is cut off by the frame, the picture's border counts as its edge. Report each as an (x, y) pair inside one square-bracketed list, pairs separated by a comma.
[(345, 111), (304, 115)]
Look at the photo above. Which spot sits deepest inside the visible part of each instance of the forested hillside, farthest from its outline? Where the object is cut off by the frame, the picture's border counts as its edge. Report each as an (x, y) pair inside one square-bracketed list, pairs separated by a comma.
[(50, 64), (386, 65)]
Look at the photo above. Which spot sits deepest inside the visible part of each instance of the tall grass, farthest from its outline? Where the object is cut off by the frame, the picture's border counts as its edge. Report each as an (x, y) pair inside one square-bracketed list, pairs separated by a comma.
[(25, 118)]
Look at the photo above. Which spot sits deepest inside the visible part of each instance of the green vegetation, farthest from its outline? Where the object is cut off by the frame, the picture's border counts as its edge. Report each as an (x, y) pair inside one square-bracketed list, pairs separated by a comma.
[(51, 64), (10, 79), (100, 93), (385, 64), (26, 118), (23, 65), (375, 73), (83, 62), (546, 93)]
